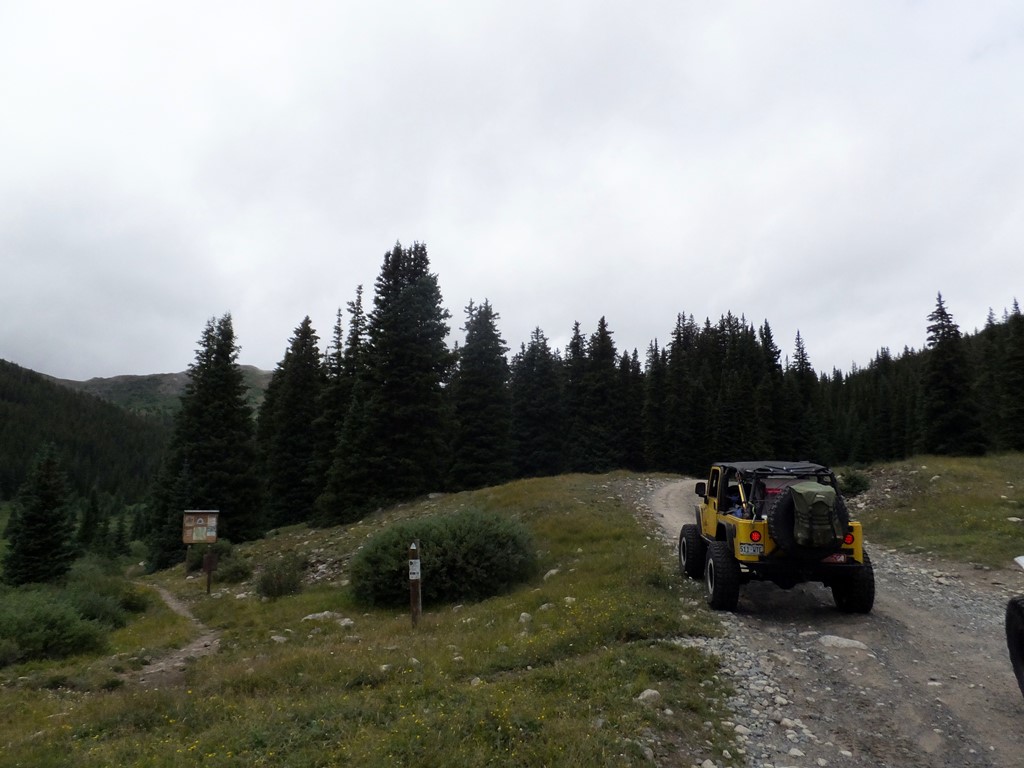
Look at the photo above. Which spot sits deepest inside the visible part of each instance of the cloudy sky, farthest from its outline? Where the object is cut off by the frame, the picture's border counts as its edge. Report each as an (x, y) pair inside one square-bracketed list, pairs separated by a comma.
[(829, 167)]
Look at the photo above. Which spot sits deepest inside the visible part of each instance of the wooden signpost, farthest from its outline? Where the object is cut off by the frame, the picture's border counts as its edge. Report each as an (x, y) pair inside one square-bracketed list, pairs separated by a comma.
[(415, 583)]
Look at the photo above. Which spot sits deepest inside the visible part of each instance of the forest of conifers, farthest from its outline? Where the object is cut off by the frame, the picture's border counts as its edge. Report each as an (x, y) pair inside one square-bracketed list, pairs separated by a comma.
[(391, 412)]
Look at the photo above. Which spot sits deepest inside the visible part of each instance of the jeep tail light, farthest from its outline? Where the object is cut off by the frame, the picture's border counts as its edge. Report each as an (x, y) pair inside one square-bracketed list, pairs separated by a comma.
[(755, 536), (848, 539)]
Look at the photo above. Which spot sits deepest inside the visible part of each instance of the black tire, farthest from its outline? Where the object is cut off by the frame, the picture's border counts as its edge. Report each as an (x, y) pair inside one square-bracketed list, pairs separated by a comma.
[(781, 516), (1015, 637), (855, 592), (721, 577), (693, 551)]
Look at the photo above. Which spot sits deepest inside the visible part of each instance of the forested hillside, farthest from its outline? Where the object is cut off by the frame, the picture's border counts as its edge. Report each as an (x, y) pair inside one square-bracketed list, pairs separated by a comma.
[(158, 394), (100, 446)]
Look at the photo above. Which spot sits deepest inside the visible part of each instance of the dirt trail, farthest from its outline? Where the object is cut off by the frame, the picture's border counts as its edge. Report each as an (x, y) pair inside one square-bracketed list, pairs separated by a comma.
[(932, 686), (170, 669)]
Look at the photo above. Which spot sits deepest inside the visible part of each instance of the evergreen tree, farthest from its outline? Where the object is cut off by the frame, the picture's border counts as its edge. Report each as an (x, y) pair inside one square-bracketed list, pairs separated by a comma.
[(88, 524), (657, 450), (573, 372), (631, 389), (601, 426), (481, 445), (393, 445), (287, 428), (1011, 382), (949, 414), (212, 460), (537, 409), (41, 530)]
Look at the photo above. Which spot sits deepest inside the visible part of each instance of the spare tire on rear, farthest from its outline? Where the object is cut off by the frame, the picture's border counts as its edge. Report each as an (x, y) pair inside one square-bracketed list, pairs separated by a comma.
[(781, 516)]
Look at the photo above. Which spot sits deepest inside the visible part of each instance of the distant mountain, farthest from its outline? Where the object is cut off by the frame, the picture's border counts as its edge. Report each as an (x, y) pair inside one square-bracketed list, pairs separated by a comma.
[(159, 394), (100, 445)]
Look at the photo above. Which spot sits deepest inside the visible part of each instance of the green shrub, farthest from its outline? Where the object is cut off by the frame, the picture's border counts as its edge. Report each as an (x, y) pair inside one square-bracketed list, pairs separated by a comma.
[(233, 570), (853, 482), (470, 555), (280, 577), (40, 624), (98, 591), (101, 608), (222, 548)]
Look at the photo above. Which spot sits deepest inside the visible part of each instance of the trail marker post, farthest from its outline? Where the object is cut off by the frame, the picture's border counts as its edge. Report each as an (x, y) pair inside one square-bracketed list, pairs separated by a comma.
[(415, 583)]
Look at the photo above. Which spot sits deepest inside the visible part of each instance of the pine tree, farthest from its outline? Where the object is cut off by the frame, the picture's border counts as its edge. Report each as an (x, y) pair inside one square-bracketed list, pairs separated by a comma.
[(537, 409), (601, 419), (656, 439), (40, 533), (949, 414), (393, 445), (481, 445), (573, 372), (1011, 382), (212, 460), (287, 428)]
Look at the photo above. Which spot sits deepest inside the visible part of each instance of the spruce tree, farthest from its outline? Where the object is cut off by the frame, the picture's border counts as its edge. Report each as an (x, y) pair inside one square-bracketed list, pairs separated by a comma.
[(41, 530), (287, 429), (481, 444), (212, 460), (573, 372), (600, 434), (393, 445), (950, 418), (1011, 380), (655, 435), (537, 416)]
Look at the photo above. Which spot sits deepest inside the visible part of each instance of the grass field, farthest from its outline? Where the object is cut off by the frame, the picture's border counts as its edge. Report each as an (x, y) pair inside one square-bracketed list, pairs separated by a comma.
[(957, 508), (472, 685)]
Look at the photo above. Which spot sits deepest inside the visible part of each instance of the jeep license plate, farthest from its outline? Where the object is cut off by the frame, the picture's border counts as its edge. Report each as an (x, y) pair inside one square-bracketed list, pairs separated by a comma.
[(751, 549), (838, 557)]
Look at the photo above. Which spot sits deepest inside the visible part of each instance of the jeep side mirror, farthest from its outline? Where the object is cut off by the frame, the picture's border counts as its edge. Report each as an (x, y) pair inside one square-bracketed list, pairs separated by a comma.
[(701, 489)]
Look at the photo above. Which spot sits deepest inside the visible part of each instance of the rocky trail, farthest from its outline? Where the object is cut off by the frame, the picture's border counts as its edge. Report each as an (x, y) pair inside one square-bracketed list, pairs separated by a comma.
[(924, 681)]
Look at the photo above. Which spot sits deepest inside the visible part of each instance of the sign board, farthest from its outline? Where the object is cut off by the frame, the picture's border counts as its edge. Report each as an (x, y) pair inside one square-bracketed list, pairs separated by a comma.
[(200, 526)]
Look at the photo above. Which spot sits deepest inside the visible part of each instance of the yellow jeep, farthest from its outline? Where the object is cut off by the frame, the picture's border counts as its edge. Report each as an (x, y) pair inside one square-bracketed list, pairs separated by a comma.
[(778, 521)]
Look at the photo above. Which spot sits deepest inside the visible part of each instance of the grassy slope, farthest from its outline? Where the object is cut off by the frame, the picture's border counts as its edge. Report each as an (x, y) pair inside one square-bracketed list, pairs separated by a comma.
[(470, 686), (956, 508)]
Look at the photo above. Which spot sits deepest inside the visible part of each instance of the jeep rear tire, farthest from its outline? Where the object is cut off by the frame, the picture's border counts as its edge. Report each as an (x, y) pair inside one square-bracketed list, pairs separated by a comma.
[(855, 592), (693, 551), (1015, 637), (721, 577)]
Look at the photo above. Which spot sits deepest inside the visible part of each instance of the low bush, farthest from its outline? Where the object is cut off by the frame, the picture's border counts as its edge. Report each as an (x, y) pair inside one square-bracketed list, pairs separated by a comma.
[(853, 482), (470, 555), (221, 549), (233, 570), (39, 624), (280, 577)]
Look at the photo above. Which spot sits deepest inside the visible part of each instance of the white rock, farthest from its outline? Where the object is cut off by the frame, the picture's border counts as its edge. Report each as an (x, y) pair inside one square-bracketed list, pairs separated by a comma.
[(834, 641), (322, 616), (279, 639), (525, 618), (650, 696), (549, 574)]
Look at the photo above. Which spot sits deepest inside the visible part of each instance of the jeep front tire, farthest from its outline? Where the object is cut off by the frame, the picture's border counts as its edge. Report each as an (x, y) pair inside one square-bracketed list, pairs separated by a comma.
[(692, 551)]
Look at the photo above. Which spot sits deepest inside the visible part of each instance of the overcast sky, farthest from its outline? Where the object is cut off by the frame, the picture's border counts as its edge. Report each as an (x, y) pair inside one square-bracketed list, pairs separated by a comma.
[(829, 167)]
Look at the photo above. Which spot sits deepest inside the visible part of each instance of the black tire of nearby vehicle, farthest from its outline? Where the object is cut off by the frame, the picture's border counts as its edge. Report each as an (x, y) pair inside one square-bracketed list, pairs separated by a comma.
[(1015, 637), (855, 592), (782, 514), (693, 551), (721, 577)]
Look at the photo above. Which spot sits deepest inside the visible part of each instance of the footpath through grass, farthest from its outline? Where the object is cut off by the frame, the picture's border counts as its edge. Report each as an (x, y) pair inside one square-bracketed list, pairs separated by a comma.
[(546, 675), (966, 509)]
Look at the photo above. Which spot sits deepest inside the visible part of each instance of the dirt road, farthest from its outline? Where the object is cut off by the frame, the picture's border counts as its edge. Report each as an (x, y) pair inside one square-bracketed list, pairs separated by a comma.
[(923, 681)]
